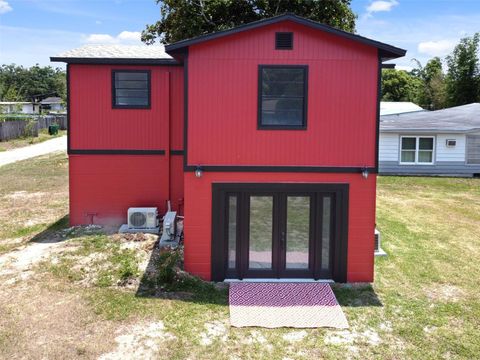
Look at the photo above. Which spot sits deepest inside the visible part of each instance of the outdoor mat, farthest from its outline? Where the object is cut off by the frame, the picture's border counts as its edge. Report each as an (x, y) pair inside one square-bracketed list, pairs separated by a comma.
[(272, 305)]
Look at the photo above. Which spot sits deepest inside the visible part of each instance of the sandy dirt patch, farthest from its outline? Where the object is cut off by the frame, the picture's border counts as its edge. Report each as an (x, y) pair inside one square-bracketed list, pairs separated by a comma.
[(215, 330), (22, 260), (139, 341), (444, 293)]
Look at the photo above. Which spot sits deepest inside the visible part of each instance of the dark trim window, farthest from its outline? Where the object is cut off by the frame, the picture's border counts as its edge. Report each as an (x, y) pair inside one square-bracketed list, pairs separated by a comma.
[(282, 96), (131, 89)]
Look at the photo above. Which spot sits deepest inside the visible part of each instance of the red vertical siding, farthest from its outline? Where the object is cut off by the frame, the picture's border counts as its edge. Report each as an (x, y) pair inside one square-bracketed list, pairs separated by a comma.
[(107, 185), (198, 213), (342, 90), (95, 125)]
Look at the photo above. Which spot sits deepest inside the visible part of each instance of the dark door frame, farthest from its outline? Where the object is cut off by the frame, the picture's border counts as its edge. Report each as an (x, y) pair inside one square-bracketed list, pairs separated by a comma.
[(219, 265)]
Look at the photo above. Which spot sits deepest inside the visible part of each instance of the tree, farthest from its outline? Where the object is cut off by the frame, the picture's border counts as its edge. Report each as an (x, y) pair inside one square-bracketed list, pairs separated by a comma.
[(399, 85), (183, 19), (463, 76), (25, 84), (432, 93)]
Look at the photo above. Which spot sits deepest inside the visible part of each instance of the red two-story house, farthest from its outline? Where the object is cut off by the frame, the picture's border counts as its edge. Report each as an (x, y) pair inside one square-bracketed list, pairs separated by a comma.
[(265, 137)]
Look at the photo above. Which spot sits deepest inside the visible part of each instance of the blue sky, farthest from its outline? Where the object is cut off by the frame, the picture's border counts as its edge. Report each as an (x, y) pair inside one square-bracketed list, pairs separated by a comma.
[(33, 30)]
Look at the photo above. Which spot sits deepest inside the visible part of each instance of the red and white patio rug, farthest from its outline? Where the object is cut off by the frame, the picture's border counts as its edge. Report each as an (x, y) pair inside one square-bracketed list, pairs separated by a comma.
[(272, 305)]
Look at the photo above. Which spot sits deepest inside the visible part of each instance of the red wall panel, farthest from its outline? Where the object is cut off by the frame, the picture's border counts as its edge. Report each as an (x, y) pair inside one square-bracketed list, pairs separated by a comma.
[(107, 185), (342, 91), (95, 125), (198, 215)]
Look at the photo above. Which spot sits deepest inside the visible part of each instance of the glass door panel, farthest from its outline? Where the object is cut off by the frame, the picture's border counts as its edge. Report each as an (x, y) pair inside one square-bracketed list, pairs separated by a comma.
[(232, 231), (298, 232), (260, 254), (326, 232)]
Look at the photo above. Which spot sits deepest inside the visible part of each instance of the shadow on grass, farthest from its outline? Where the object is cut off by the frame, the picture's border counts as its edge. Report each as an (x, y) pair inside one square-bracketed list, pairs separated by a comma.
[(355, 295), (183, 286), (51, 234)]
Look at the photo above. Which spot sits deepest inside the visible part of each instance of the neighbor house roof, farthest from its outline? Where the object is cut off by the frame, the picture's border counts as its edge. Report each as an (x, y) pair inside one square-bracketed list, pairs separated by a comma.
[(51, 100), (116, 54), (398, 107), (459, 119), (387, 52)]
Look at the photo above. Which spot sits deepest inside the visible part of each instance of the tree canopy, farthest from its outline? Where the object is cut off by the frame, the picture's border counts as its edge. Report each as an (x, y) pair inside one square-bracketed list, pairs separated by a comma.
[(183, 19), (430, 87), (26, 84), (463, 76)]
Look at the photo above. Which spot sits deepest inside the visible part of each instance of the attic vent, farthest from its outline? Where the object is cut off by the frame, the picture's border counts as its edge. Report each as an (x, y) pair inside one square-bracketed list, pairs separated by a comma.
[(283, 41)]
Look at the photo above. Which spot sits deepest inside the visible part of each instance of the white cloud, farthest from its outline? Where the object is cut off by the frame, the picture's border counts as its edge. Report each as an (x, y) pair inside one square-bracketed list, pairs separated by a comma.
[(404, 67), (125, 37), (100, 39), (129, 36), (436, 48), (4, 7), (381, 5)]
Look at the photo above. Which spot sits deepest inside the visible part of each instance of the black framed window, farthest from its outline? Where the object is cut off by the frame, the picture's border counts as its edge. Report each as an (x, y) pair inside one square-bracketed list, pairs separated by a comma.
[(131, 89), (282, 96)]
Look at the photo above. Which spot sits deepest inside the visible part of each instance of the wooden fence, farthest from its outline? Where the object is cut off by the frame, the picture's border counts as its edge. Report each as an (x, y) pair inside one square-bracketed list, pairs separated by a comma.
[(21, 128)]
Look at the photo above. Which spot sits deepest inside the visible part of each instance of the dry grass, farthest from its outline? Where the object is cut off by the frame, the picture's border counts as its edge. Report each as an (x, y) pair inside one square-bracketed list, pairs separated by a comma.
[(33, 195), (424, 303)]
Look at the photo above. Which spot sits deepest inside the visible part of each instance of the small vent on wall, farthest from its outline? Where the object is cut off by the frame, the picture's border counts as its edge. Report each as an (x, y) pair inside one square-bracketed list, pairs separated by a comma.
[(283, 41)]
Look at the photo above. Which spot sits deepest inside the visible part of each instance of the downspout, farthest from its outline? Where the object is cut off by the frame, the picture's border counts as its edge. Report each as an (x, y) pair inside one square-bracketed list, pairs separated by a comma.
[(169, 126)]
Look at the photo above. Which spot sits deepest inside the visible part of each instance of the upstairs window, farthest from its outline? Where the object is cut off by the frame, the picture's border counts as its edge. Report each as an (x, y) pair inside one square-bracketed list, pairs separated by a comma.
[(131, 89), (417, 150), (282, 97)]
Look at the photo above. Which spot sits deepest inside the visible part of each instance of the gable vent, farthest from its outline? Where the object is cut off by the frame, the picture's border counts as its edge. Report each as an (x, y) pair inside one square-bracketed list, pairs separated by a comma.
[(283, 41)]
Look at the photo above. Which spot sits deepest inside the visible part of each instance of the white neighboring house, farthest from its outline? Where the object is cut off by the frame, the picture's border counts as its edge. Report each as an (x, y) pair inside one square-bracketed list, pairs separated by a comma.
[(19, 107), (442, 142), (398, 107), (53, 104)]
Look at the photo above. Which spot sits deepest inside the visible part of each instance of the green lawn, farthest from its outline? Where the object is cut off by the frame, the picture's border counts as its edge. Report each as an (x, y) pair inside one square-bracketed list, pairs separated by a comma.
[(424, 303)]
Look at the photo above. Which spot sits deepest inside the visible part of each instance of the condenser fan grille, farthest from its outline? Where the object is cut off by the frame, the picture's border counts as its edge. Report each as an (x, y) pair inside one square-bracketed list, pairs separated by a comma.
[(138, 219)]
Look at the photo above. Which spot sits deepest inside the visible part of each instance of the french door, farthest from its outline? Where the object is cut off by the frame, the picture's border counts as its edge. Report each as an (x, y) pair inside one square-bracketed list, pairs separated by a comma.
[(277, 231)]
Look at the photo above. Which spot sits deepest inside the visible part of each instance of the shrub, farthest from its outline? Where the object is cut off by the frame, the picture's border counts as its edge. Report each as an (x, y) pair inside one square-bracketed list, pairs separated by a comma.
[(168, 266)]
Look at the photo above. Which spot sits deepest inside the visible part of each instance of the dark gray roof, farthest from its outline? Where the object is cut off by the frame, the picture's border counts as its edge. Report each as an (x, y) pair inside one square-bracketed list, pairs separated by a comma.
[(51, 100), (459, 119), (387, 52)]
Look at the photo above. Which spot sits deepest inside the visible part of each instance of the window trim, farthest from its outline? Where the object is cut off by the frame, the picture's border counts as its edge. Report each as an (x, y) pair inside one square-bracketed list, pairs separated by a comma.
[(260, 126), (417, 148), (149, 89), (467, 140)]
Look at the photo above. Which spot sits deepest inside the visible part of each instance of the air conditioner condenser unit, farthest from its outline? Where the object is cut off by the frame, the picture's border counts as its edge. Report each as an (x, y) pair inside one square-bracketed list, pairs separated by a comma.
[(142, 218)]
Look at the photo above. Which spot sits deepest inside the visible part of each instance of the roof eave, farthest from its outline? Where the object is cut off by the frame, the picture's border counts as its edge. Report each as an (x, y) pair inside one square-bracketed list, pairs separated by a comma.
[(115, 61), (426, 131), (387, 52)]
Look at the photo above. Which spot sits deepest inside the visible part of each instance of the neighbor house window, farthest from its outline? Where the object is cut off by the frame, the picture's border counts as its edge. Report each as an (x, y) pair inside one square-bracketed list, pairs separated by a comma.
[(416, 149), (131, 89), (473, 149), (282, 97)]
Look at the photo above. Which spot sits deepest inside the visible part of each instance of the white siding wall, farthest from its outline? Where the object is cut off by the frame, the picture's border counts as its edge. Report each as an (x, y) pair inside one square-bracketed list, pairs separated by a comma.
[(445, 153), (388, 147)]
